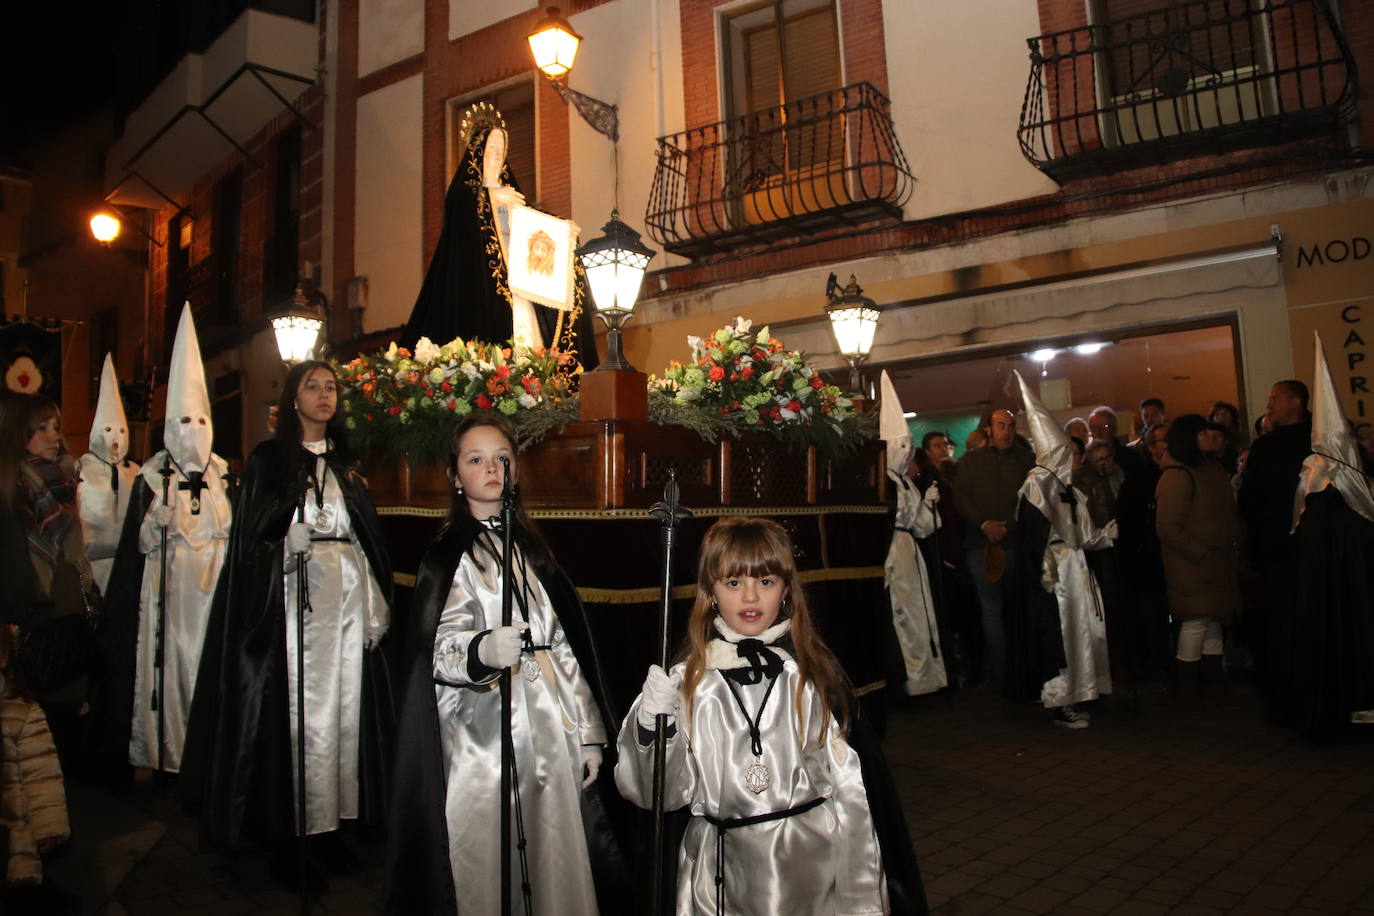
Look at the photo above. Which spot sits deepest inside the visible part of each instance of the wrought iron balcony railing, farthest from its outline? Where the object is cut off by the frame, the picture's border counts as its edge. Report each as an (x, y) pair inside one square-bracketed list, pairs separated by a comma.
[(831, 159), (1183, 80)]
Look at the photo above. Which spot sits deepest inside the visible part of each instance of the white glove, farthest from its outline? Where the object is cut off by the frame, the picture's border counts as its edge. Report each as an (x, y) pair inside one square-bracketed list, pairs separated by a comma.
[(501, 647), (932, 495), (298, 538), (591, 763), (506, 196), (164, 516), (374, 636), (659, 696), (1112, 530)]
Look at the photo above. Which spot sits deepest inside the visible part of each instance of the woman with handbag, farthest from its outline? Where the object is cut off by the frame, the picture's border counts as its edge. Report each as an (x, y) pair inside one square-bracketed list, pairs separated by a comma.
[(48, 593)]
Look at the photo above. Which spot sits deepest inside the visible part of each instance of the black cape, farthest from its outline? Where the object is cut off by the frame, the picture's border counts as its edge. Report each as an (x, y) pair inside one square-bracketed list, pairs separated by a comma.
[(464, 293), (1034, 636), (419, 878), (236, 767), (112, 688), (1333, 640)]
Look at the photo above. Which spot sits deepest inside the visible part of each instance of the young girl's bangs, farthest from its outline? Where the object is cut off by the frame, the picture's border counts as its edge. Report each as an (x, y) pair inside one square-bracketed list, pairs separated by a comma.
[(749, 551)]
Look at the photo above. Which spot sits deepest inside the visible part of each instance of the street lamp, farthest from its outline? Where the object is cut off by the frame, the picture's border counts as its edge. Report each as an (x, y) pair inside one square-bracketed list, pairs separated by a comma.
[(615, 266), (298, 326), (554, 44), (105, 226), (853, 319)]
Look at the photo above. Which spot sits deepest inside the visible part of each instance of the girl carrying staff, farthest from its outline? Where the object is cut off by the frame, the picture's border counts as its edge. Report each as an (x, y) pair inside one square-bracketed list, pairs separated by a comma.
[(301, 494), (794, 810), (445, 851)]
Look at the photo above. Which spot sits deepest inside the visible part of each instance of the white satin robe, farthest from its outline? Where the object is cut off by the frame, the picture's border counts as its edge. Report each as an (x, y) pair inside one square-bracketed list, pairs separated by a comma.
[(908, 588), (102, 510), (552, 717), (195, 552), (1064, 573), (345, 602), (824, 861)]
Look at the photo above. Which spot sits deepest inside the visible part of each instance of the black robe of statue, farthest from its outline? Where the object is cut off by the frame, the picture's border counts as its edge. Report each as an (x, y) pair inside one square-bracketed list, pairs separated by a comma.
[(419, 877), (236, 767), (1333, 643), (1035, 639), (465, 292)]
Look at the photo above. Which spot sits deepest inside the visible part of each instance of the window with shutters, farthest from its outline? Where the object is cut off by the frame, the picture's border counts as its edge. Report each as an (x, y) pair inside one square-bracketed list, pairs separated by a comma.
[(778, 56)]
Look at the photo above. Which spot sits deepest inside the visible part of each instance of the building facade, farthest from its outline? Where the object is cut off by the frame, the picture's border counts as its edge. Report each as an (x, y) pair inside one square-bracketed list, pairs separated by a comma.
[(1178, 189)]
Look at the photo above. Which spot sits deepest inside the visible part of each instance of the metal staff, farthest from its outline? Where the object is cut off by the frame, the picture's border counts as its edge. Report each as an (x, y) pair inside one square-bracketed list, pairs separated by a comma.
[(669, 512), (302, 606), (159, 656), (507, 744)]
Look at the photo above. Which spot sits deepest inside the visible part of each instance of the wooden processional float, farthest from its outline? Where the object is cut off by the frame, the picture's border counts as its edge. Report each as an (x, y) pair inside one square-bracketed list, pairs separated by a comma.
[(589, 488)]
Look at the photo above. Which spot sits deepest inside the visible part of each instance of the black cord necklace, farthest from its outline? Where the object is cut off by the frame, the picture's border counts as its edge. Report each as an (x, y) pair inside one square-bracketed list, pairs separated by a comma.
[(756, 775)]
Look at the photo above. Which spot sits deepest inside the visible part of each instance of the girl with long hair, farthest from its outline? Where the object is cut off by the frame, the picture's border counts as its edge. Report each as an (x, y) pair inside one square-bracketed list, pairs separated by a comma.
[(49, 592), (767, 749), (305, 531), (444, 850)]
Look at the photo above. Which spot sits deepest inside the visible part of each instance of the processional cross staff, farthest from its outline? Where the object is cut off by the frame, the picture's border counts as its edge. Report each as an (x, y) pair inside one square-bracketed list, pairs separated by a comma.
[(669, 512), (159, 654)]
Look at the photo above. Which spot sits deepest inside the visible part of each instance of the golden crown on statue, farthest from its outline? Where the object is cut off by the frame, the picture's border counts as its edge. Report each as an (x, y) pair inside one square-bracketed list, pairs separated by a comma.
[(477, 119)]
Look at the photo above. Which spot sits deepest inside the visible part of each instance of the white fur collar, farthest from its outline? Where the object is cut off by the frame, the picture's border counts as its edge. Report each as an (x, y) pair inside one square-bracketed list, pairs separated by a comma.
[(721, 653)]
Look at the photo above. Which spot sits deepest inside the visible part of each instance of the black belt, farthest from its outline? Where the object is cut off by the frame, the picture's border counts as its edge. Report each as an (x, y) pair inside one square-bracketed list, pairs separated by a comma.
[(315, 540), (907, 530), (723, 824)]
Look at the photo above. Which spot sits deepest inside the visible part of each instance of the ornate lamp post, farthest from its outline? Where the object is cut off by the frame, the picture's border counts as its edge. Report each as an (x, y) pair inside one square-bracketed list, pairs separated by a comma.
[(853, 319), (615, 265), (298, 326)]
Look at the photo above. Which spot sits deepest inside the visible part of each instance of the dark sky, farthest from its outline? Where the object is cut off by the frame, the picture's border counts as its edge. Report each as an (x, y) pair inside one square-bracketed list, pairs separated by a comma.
[(64, 59)]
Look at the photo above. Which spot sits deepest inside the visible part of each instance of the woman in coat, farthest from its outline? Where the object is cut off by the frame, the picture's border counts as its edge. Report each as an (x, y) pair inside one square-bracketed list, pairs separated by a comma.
[(1198, 536)]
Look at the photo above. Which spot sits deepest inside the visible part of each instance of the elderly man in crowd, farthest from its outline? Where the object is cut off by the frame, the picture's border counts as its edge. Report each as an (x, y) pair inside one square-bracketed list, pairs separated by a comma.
[(1103, 425), (985, 493), (1267, 488)]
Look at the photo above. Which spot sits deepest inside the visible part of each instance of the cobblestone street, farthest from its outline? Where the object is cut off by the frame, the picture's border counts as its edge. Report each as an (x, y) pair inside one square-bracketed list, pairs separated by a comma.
[(1206, 810)]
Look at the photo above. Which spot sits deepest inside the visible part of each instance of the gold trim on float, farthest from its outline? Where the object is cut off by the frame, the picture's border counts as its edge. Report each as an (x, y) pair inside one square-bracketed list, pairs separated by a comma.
[(869, 688), (652, 593), (418, 511), (643, 514)]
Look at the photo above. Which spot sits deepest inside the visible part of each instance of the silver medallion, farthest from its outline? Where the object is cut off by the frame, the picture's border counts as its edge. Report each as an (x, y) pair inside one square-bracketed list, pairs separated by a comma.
[(195, 505), (530, 669), (756, 776), (324, 518)]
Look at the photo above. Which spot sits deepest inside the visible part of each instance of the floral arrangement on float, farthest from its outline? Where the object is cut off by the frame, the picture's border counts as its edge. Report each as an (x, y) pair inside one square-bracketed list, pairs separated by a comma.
[(740, 379), (404, 404)]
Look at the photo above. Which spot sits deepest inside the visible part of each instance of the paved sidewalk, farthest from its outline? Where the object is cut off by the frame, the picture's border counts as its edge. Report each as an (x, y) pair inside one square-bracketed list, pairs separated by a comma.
[(1154, 811), (1205, 810)]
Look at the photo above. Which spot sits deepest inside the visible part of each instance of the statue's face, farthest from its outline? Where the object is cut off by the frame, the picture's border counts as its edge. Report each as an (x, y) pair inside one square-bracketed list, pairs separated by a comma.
[(494, 157)]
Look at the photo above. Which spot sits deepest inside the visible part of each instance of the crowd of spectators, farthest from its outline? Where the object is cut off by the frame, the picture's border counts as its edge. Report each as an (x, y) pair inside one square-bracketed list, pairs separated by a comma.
[(1201, 578)]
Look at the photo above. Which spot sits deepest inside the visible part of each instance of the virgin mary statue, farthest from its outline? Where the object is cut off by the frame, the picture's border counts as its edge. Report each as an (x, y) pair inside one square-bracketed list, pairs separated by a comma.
[(466, 293)]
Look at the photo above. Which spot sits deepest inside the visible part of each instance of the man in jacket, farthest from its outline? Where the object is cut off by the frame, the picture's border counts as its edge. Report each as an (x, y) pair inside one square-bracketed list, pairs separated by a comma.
[(985, 489)]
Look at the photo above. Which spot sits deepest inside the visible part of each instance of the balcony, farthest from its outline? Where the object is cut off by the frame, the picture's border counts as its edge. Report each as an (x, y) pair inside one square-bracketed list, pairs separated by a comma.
[(814, 164), (1189, 79), (214, 100)]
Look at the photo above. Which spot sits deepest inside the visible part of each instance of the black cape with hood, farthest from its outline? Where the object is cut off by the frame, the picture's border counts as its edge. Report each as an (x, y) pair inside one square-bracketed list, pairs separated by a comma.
[(464, 293), (236, 767), (1333, 645), (419, 878), (1034, 636)]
